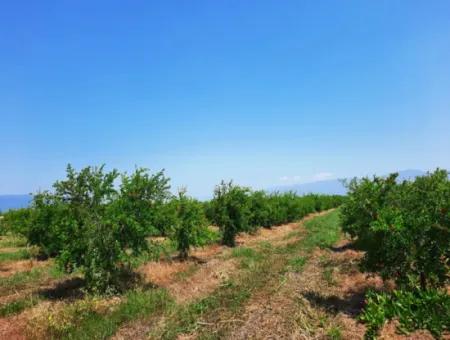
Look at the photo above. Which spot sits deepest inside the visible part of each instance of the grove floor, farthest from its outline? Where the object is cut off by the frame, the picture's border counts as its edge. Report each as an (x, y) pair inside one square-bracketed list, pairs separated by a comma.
[(296, 281)]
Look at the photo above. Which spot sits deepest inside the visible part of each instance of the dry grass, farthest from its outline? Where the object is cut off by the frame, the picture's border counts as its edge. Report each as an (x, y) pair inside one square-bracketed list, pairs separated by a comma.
[(389, 332), (12, 267)]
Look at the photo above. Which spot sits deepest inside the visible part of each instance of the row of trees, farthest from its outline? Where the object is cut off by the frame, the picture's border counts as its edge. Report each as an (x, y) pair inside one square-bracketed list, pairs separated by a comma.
[(235, 209), (403, 226), (96, 221)]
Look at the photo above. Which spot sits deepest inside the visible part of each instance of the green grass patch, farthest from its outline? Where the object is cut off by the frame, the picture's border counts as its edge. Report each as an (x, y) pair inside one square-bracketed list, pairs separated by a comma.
[(21, 254), (81, 321), (33, 277), (297, 263), (20, 279), (249, 257), (334, 333), (323, 231), (17, 306), (244, 252)]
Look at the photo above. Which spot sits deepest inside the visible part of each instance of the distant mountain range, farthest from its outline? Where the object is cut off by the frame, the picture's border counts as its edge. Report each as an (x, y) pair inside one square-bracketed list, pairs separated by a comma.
[(335, 186)]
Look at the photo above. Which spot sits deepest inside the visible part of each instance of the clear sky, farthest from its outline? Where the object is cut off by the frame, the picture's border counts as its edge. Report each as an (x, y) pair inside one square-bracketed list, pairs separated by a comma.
[(263, 92)]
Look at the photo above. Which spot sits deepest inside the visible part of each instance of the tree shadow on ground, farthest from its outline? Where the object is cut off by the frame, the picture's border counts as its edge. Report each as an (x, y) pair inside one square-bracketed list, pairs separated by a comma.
[(345, 247), (74, 289), (352, 304), (68, 289), (190, 258)]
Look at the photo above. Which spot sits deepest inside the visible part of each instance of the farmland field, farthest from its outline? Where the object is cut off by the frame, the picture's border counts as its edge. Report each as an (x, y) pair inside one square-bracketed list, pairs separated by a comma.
[(298, 280)]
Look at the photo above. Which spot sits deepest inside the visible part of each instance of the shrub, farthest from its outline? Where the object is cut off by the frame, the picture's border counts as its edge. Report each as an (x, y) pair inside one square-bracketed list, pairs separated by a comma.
[(90, 224), (260, 210), (231, 207), (15, 221), (143, 196), (418, 309), (404, 227), (191, 225), (165, 218)]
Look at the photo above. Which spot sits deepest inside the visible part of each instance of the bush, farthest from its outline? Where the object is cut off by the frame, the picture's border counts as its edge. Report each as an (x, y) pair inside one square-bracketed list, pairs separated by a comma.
[(191, 225), (404, 227), (231, 206), (90, 224), (15, 221), (144, 196), (260, 210), (419, 309)]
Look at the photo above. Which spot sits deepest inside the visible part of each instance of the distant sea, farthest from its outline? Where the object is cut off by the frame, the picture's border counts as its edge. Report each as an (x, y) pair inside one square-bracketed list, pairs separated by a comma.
[(14, 202)]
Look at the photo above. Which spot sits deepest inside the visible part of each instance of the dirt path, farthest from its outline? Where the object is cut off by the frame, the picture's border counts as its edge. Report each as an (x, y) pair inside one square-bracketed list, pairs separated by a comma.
[(188, 281), (306, 306), (216, 267)]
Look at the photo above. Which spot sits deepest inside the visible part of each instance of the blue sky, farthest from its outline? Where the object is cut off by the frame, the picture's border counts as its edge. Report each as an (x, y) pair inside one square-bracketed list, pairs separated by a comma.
[(262, 92)]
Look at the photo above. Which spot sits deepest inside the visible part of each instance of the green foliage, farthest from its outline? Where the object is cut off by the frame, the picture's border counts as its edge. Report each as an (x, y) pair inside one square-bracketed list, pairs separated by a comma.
[(231, 206), (276, 209), (191, 225), (419, 309), (15, 221), (404, 227), (165, 218), (142, 200), (235, 209), (261, 209), (97, 221), (88, 222)]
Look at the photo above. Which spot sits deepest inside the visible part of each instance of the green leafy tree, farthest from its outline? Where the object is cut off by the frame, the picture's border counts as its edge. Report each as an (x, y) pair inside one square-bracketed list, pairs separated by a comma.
[(16, 221), (191, 225), (260, 209), (90, 223), (232, 214), (404, 227), (143, 198)]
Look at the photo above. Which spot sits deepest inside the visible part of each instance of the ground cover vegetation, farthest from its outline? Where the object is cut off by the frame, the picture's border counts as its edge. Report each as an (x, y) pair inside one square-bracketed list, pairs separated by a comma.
[(404, 229)]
